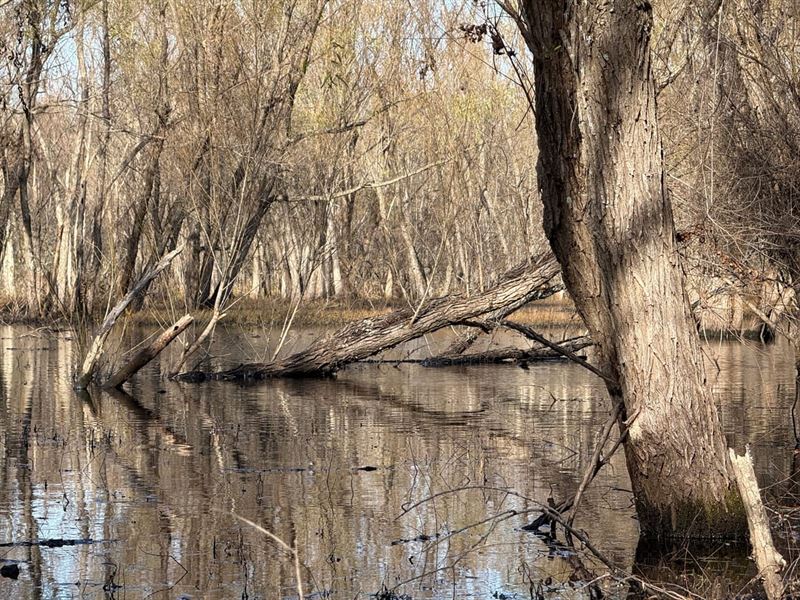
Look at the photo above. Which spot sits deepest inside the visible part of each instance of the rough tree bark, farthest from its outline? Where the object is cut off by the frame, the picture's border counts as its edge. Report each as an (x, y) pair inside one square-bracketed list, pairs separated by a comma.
[(463, 343), (368, 337), (609, 221)]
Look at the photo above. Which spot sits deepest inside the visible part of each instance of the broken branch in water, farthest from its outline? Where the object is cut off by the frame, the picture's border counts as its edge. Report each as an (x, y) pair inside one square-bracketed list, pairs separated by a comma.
[(769, 561), (96, 349), (148, 353)]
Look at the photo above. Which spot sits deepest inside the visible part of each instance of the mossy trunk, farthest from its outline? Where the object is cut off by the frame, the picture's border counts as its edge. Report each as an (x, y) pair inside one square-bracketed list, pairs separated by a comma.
[(609, 222)]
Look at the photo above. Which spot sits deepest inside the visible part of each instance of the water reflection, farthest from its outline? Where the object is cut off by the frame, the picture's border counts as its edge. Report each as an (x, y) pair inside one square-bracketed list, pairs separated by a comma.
[(130, 495)]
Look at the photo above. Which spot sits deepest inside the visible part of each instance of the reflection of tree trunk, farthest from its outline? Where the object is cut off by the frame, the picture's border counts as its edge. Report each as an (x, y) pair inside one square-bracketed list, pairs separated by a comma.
[(24, 471), (734, 570), (16, 471), (147, 423), (610, 225)]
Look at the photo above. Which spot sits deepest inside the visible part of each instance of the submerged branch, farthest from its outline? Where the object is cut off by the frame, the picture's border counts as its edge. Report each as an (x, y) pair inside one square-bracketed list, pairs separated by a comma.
[(503, 355), (768, 560)]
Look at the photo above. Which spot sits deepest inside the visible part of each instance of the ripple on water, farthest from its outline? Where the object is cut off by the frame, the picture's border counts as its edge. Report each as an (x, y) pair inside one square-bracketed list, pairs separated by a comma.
[(379, 476)]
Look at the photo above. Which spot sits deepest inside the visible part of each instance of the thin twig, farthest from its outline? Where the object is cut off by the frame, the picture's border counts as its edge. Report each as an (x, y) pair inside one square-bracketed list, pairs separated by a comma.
[(534, 335), (408, 509), (597, 459), (292, 550)]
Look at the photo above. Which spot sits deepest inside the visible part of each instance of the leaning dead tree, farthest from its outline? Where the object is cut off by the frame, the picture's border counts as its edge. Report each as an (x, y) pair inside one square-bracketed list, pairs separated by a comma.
[(533, 280), (769, 561)]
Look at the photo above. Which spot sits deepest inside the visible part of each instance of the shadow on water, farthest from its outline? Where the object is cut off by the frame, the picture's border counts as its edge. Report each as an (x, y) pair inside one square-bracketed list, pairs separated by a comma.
[(394, 482)]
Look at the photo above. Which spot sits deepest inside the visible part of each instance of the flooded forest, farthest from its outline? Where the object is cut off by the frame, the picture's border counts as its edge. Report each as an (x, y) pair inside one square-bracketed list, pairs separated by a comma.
[(394, 300)]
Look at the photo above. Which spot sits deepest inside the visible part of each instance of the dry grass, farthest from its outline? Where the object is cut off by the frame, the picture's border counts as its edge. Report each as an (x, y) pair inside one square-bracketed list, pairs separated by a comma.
[(320, 313), (273, 312), (266, 312)]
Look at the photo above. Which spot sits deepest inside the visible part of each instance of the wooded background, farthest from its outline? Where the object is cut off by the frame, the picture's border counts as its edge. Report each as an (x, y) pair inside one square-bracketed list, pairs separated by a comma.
[(305, 149)]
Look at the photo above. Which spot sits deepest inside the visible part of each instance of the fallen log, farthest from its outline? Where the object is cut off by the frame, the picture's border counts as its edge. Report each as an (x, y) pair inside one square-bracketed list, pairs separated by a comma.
[(148, 353), (503, 355), (96, 349), (531, 281)]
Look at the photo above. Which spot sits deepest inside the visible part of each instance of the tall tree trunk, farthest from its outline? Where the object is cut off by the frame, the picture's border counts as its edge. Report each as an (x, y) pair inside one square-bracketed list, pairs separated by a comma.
[(241, 249), (609, 222), (95, 239), (12, 174), (131, 249), (79, 307), (29, 253)]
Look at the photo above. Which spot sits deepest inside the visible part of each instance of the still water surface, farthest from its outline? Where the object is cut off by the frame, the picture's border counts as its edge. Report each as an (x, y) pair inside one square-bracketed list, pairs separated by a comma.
[(134, 495)]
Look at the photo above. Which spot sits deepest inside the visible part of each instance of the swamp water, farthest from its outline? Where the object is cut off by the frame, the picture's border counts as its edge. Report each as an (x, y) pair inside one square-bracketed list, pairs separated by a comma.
[(382, 476)]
